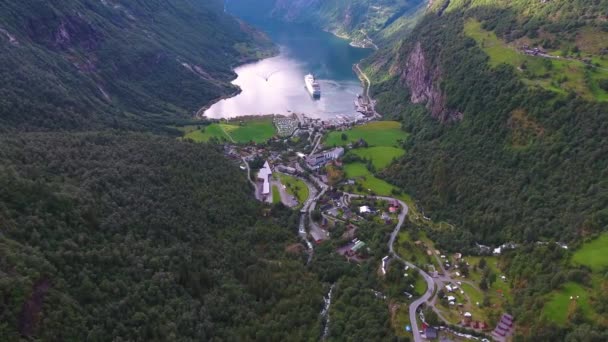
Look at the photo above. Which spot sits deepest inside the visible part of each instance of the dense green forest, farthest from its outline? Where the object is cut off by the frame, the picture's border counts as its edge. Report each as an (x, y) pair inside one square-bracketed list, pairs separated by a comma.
[(523, 164), (517, 150), (137, 237), (123, 64), (111, 229)]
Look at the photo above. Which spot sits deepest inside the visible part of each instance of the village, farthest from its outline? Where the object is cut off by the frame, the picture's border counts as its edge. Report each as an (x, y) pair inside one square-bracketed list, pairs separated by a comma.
[(297, 170)]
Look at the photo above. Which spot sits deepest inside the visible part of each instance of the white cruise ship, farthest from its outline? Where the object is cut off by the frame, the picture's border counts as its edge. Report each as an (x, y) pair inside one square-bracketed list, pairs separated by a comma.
[(312, 86)]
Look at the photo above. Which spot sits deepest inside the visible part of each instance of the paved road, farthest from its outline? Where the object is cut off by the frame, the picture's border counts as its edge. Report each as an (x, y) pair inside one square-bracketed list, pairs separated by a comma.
[(430, 284), (287, 199), (316, 146), (255, 187), (369, 85), (304, 213)]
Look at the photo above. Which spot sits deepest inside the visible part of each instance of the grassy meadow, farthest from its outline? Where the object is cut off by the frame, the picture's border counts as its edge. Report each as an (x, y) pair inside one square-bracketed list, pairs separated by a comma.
[(377, 133), (256, 130), (294, 187), (381, 156), (560, 306), (561, 75), (593, 254)]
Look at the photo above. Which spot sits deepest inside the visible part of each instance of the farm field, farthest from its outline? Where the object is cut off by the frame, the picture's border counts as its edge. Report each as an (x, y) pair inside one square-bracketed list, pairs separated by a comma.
[(377, 133), (381, 156), (558, 75), (367, 180), (593, 254), (205, 133), (295, 187), (560, 306), (257, 130)]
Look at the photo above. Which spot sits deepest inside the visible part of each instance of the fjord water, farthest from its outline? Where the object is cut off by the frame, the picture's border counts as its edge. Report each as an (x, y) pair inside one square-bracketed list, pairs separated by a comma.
[(276, 85)]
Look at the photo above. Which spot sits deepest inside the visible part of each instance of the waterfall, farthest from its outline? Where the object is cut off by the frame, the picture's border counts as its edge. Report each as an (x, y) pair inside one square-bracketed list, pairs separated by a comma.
[(325, 311)]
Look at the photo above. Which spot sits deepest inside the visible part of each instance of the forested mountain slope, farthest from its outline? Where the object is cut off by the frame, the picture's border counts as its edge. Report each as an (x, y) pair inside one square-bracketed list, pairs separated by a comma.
[(506, 105), (106, 234), (131, 237), (356, 19), (90, 63)]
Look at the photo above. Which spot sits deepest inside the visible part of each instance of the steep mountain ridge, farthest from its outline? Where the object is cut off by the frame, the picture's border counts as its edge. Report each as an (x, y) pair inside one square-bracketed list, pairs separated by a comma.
[(358, 20), (109, 234), (117, 63), (423, 83), (503, 169)]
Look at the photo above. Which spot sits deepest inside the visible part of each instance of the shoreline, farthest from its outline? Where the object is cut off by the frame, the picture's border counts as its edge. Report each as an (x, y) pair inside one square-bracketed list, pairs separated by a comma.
[(366, 43), (203, 109), (367, 84), (200, 113)]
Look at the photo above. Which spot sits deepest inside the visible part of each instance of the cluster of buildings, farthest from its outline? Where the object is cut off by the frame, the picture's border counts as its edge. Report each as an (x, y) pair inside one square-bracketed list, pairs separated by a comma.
[(318, 160), (286, 126), (353, 250), (534, 51), (504, 328)]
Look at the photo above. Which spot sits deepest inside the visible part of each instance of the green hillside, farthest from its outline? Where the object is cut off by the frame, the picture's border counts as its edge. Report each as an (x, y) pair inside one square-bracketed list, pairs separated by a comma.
[(74, 64), (505, 171), (353, 19), (121, 236), (505, 106)]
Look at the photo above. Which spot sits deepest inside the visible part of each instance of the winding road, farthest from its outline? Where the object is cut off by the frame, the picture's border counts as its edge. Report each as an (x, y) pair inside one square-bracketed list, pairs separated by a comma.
[(430, 284), (255, 188), (367, 87)]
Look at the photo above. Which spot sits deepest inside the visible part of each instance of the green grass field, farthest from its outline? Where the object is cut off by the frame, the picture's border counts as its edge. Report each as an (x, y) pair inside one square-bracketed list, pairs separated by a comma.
[(420, 286), (276, 195), (593, 254), (381, 156), (558, 75), (377, 133), (205, 133), (295, 187), (362, 176), (369, 182), (559, 307), (258, 130), (474, 294)]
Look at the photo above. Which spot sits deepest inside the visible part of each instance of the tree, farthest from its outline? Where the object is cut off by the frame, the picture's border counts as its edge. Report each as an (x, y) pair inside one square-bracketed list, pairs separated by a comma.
[(316, 215), (344, 137), (483, 284), (431, 317)]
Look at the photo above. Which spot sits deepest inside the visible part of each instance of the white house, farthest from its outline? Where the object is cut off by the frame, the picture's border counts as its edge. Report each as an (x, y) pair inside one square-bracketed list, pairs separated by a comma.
[(315, 161), (264, 175), (364, 210)]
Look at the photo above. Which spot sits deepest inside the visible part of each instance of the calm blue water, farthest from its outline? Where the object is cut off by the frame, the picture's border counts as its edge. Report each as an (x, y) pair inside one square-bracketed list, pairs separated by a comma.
[(276, 85)]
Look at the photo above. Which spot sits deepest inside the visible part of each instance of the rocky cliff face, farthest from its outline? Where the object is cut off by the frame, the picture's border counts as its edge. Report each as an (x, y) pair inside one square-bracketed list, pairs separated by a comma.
[(423, 79)]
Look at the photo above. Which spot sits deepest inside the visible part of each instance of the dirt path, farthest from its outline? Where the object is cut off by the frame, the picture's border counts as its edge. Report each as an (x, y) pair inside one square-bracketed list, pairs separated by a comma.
[(228, 135)]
